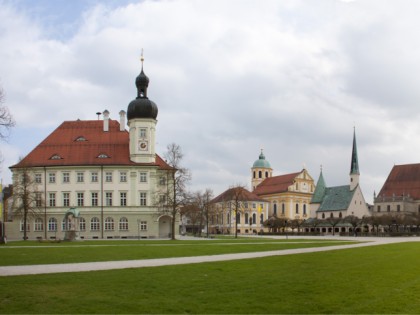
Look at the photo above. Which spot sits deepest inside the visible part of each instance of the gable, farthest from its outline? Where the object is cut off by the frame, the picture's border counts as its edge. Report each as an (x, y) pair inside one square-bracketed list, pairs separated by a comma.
[(276, 184)]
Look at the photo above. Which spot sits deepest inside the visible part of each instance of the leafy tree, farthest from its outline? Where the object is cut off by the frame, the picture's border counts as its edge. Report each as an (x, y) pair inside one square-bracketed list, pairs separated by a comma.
[(175, 195), (27, 200)]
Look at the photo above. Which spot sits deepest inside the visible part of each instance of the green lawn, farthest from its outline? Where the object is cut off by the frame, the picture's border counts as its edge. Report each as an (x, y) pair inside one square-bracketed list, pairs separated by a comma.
[(378, 279), (32, 253)]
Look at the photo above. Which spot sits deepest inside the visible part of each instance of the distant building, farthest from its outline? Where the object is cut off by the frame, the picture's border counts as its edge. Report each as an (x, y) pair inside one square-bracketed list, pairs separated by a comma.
[(288, 195), (340, 201), (238, 204), (97, 179), (400, 193)]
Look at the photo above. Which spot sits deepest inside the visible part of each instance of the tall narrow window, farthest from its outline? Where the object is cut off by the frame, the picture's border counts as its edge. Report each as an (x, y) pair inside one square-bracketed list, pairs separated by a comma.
[(66, 199), (123, 177), (38, 199), (109, 224), (51, 178), (123, 224), (51, 199), (143, 225), (80, 199), (143, 199), (94, 199), (143, 177), (108, 199), (82, 224), (39, 225), (94, 224), (297, 208), (38, 178), (123, 199)]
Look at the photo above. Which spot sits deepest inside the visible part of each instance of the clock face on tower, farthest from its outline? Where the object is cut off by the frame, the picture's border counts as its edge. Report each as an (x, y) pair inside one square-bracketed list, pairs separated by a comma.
[(143, 145)]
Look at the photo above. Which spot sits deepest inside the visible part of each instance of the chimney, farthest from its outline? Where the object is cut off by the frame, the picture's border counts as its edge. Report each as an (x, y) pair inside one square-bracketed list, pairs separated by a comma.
[(122, 120), (106, 120)]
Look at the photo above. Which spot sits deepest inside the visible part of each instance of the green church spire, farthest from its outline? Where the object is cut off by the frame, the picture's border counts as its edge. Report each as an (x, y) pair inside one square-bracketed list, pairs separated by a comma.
[(354, 167), (319, 192)]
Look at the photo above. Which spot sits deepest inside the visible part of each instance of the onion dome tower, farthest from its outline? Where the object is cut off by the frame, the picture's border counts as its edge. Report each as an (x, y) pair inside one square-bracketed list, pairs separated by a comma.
[(261, 169), (141, 118)]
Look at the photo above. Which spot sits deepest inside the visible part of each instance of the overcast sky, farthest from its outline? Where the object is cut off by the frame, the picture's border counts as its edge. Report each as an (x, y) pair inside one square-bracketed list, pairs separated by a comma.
[(229, 78)]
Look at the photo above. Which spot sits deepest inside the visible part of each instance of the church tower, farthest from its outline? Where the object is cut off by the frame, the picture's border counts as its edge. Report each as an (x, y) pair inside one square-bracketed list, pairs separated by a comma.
[(260, 170), (141, 116), (354, 167)]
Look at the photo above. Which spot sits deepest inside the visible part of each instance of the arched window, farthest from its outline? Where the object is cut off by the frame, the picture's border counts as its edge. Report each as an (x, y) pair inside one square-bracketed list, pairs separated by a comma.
[(331, 215), (94, 224), (275, 208), (246, 218), (283, 210), (323, 215), (65, 224), (340, 215), (109, 224), (297, 208), (39, 224), (254, 174), (304, 209), (266, 174), (238, 218), (261, 218), (259, 174), (123, 226), (52, 224), (82, 224), (254, 218)]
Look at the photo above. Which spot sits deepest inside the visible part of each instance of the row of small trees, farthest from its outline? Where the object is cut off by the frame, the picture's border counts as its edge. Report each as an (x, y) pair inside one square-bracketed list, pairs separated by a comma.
[(395, 222)]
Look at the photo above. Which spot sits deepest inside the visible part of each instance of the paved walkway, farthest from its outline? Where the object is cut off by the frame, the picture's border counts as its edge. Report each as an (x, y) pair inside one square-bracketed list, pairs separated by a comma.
[(109, 265)]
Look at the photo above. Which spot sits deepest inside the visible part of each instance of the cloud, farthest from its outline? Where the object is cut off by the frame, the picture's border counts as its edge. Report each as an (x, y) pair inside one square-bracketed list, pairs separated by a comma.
[(229, 77)]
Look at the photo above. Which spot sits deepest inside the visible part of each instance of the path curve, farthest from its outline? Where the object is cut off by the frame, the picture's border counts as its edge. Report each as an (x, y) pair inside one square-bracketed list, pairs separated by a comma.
[(124, 264)]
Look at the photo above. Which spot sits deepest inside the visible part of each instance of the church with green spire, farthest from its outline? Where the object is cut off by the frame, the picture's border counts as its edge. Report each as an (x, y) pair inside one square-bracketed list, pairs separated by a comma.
[(340, 201)]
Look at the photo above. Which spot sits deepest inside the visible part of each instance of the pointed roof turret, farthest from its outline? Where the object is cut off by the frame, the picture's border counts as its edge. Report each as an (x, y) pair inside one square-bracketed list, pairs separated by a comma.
[(354, 167), (319, 192)]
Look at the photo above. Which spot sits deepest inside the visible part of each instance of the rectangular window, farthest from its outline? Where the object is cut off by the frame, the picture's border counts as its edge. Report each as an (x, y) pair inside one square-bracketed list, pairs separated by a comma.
[(94, 199), (398, 208), (80, 177), (143, 133), (66, 199), (123, 199), (51, 198), (143, 199), (94, 177), (162, 199), (39, 225), (51, 178), (22, 226), (38, 199), (38, 178), (379, 208), (108, 199), (108, 177), (123, 177), (82, 224), (143, 177), (143, 225), (162, 180), (80, 199), (66, 177)]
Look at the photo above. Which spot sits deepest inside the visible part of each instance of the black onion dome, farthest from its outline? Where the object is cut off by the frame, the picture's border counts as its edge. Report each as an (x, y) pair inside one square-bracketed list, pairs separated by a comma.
[(142, 107)]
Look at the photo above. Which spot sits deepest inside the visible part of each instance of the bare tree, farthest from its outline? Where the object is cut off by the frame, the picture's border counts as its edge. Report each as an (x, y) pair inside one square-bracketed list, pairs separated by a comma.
[(354, 222), (6, 119), (333, 221), (202, 201), (27, 200), (177, 178)]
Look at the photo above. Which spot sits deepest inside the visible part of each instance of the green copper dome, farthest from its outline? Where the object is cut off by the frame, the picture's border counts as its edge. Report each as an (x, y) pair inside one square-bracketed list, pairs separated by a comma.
[(261, 162)]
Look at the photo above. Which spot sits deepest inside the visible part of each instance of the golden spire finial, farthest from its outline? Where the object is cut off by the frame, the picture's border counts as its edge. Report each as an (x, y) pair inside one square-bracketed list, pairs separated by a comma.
[(142, 58)]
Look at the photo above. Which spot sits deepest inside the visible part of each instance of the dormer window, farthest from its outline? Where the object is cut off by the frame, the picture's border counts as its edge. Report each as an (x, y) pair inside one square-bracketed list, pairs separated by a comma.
[(81, 138), (103, 156), (55, 157)]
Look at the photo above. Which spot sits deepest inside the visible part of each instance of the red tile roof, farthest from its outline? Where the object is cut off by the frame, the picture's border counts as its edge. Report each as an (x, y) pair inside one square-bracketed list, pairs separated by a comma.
[(275, 184), (403, 180), (62, 147), (236, 192)]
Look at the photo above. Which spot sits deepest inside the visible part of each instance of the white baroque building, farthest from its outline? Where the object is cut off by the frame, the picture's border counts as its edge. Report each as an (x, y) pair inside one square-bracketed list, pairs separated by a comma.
[(94, 179)]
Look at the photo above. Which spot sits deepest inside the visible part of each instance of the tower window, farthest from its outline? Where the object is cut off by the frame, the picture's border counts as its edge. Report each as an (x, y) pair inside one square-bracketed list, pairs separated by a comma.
[(254, 174), (259, 174), (266, 174)]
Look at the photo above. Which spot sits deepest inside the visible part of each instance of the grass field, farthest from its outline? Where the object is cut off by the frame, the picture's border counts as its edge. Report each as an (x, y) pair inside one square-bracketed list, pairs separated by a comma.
[(32, 253), (380, 279)]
